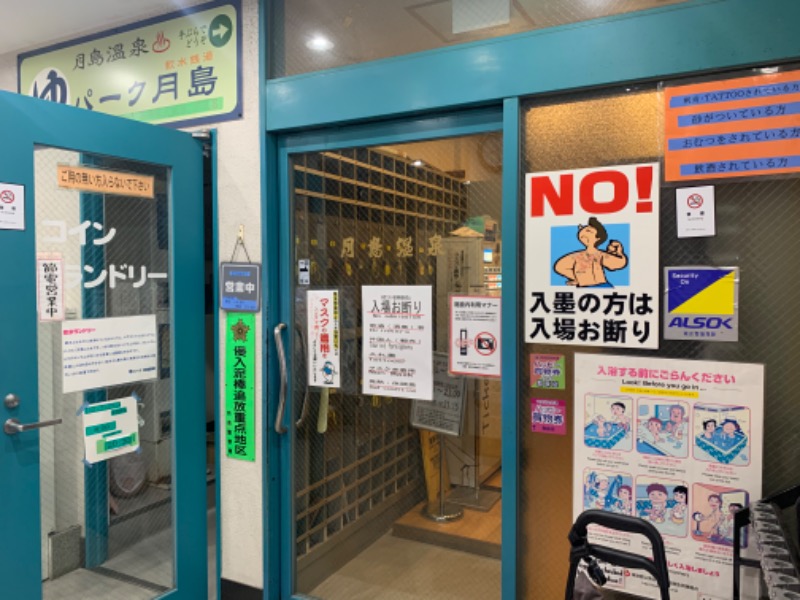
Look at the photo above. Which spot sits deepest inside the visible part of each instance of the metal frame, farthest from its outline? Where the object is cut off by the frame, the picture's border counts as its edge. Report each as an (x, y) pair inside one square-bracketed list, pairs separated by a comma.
[(469, 122), (28, 122), (329, 108)]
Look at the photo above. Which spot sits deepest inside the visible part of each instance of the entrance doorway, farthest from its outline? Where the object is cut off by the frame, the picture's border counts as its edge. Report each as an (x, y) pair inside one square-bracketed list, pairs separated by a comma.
[(366, 467)]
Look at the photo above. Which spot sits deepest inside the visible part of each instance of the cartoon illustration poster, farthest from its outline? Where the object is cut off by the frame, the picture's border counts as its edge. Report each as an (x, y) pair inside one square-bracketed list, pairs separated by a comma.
[(591, 256), (679, 444)]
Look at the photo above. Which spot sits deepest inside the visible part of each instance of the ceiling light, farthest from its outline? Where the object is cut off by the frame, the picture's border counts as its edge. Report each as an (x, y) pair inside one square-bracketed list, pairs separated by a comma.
[(418, 163), (319, 43)]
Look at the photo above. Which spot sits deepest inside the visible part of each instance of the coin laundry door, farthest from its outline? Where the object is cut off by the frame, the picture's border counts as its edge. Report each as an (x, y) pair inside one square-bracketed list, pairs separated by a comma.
[(101, 405)]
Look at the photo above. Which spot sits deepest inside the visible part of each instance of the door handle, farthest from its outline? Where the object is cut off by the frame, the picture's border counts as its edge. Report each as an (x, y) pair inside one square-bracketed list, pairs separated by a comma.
[(279, 426), (13, 427)]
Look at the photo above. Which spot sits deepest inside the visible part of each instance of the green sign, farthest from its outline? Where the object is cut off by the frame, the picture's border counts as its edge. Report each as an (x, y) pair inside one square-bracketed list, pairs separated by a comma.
[(240, 377), (181, 68), (548, 371)]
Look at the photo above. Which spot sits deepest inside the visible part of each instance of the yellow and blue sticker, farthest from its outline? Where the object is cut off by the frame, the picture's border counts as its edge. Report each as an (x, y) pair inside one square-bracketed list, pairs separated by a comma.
[(701, 303)]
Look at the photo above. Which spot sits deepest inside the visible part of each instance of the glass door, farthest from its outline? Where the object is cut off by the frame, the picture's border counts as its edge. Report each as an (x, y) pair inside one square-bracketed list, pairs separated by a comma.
[(391, 336), (101, 447)]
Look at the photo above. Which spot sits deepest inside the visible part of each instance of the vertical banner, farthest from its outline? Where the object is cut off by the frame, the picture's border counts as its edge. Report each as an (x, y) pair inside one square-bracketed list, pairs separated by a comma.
[(591, 256), (324, 339), (240, 379), (679, 444), (475, 336), (50, 286), (398, 341)]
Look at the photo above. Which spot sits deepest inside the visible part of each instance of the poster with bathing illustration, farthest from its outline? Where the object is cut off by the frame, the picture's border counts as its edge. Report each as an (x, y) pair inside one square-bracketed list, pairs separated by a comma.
[(607, 422), (722, 434), (664, 503), (662, 427), (713, 508), (608, 490)]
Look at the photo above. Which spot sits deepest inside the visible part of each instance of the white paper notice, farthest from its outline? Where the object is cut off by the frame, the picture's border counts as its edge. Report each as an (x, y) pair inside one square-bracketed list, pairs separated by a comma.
[(694, 208), (110, 429), (50, 287), (324, 339), (475, 336), (12, 206), (398, 341), (103, 352), (677, 443)]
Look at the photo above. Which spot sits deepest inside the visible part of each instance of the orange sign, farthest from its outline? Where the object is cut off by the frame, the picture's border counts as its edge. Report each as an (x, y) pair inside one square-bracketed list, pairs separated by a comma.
[(733, 128), (101, 181)]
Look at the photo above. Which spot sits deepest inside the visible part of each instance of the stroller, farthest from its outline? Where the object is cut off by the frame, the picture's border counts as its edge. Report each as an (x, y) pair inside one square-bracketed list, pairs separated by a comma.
[(587, 586)]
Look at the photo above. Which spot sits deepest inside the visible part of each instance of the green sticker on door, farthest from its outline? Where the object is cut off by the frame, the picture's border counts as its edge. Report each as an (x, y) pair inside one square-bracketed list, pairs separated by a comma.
[(240, 372)]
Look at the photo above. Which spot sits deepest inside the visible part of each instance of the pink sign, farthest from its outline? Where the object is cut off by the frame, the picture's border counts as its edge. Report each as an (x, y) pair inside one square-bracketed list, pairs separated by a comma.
[(548, 416)]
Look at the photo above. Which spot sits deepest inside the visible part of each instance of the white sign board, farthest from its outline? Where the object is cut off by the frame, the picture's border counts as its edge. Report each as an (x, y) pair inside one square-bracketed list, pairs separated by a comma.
[(591, 257), (446, 413), (695, 213), (12, 206), (475, 336), (324, 339), (110, 429), (398, 341), (98, 353), (677, 443), (50, 287)]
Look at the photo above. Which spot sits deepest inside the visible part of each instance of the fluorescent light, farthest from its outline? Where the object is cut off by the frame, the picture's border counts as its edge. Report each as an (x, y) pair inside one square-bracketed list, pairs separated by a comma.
[(319, 43)]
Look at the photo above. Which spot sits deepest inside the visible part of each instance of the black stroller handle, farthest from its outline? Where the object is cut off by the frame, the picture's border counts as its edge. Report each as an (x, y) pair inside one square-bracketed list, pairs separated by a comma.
[(582, 549)]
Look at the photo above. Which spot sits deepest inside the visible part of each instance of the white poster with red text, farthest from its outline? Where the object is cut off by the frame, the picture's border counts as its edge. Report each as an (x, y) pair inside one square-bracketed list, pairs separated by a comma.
[(591, 256), (679, 444)]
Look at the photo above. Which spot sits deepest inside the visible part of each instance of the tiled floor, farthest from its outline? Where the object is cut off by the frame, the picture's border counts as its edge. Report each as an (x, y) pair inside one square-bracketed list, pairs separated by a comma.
[(149, 560), (398, 569)]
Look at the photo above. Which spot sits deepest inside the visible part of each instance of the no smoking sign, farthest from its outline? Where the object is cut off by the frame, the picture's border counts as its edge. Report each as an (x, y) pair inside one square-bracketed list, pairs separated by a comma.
[(12, 206)]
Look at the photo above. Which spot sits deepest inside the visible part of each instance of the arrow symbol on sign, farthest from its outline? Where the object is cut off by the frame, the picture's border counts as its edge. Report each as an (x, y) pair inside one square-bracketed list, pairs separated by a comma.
[(220, 31)]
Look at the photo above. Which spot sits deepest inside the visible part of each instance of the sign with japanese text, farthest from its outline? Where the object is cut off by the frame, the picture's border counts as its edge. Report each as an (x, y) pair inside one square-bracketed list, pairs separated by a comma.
[(240, 287), (180, 68), (88, 276), (240, 380), (549, 416), (446, 413), (702, 303), (475, 336), (324, 339), (679, 444), (548, 371), (398, 341), (104, 181), (12, 206), (695, 212), (110, 429), (733, 128), (50, 287), (591, 257), (98, 353)]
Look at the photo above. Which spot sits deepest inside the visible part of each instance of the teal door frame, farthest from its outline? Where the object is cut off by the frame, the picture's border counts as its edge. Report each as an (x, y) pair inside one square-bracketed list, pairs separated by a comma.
[(278, 228), (27, 123), (308, 111)]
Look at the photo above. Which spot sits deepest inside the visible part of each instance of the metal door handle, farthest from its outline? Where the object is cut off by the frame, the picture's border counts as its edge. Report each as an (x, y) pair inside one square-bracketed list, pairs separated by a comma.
[(279, 427), (13, 427)]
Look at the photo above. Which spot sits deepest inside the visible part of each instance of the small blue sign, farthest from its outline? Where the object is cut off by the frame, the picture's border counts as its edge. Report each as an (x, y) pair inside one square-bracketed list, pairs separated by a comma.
[(240, 287)]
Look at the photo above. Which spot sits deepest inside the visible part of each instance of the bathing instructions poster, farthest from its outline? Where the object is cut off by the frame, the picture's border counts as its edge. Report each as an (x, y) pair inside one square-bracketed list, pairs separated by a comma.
[(679, 444)]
